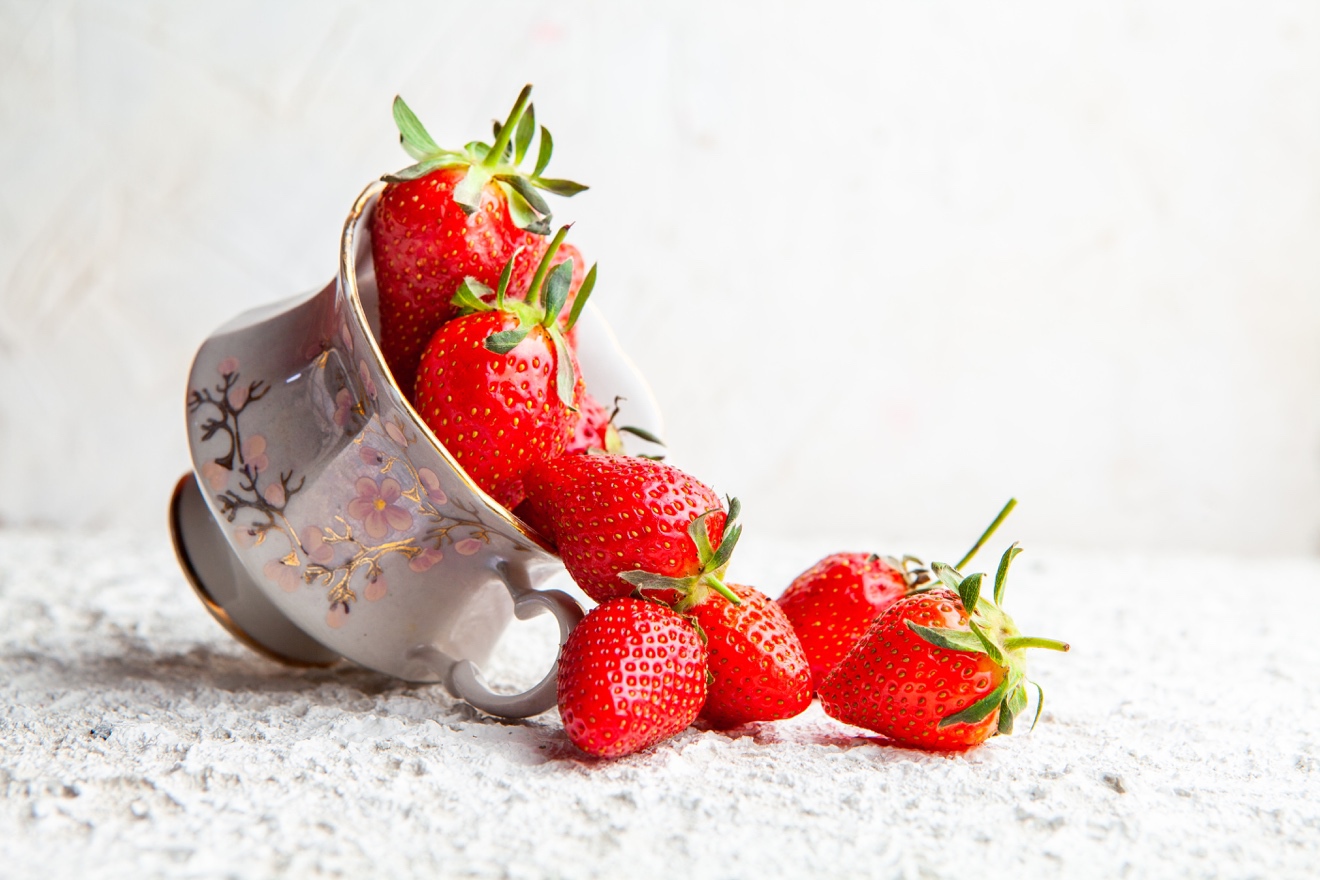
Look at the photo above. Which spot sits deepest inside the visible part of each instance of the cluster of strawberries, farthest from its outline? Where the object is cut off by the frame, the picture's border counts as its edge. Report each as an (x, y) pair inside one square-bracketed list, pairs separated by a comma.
[(478, 306)]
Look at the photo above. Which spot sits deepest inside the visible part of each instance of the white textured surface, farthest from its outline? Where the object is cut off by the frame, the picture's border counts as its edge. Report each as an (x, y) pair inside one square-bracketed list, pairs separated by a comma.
[(1181, 738), (1070, 251)]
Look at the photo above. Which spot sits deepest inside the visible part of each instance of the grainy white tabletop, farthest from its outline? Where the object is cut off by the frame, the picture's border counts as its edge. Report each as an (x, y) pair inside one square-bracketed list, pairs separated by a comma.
[(1181, 737)]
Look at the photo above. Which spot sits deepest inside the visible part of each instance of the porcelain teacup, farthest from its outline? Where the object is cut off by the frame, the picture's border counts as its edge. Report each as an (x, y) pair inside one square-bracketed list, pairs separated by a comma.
[(323, 520)]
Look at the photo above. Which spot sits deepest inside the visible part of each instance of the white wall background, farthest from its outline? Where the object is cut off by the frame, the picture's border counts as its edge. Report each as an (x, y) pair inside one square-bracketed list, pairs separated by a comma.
[(884, 263)]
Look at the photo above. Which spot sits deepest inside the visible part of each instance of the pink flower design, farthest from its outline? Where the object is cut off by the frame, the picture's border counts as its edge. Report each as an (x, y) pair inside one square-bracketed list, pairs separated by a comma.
[(343, 406), (468, 546), (286, 576), (376, 589), (245, 537), (337, 616), (216, 475), (371, 456), (367, 382), (227, 366), (374, 507), (274, 495), (238, 396), (431, 485), (395, 433), (424, 560), (346, 335), (254, 453), (314, 545)]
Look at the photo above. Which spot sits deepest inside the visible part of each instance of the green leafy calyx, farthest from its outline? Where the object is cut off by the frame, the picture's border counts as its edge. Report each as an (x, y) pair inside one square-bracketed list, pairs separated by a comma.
[(497, 162), (714, 560), (540, 306)]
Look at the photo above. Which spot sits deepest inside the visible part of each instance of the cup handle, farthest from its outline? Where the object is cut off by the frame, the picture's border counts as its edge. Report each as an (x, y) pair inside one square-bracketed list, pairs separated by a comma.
[(465, 683)]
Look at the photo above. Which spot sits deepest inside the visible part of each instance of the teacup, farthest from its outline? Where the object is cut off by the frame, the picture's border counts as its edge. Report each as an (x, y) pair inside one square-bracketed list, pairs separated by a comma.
[(323, 520)]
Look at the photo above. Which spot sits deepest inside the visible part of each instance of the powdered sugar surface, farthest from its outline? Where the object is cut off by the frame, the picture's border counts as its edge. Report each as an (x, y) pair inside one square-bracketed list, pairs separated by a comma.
[(1181, 736)]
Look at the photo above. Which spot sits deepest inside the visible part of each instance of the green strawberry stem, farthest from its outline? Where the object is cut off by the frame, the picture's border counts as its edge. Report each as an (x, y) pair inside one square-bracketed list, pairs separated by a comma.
[(985, 536), (1012, 643), (510, 124), (497, 163), (718, 585), (534, 289)]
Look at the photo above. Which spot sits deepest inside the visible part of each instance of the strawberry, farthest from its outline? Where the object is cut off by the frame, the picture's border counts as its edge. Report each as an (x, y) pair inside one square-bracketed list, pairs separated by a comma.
[(451, 216), (631, 674), (758, 669), (832, 603), (942, 669), (594, 428), (498, 386), (596, 431), (525, 512), (622, 522)]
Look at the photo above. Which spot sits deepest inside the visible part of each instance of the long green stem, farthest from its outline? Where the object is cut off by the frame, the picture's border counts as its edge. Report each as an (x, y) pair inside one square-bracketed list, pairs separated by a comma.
[(1012, 643), (506, 131), (534, 290), (985, 536)]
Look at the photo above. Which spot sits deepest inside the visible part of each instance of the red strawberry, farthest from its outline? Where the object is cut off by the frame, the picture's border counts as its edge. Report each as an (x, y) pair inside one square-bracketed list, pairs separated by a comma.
[(451, 216), (498, 385), (832, 603), (758, 669), (528, 515), (931, 674), (622, 522), (594, 428), (631, 674)]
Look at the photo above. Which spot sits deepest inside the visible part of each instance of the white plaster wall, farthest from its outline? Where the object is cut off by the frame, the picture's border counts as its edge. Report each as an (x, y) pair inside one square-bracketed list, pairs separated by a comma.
[(884, 263)]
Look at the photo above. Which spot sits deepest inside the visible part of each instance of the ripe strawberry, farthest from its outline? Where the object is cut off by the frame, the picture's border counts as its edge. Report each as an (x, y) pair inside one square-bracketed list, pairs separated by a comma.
[(451, 216), (594, 428), (758, 669), (622, 522), (631, 674), (942, 669), (498, 385), (833, 603), (528, 515)]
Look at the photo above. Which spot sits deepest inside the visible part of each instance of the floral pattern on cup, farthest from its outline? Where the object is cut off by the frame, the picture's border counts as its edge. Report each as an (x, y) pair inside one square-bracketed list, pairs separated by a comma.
[(431, 485), (344, 403), (395, 508), (376, 509)]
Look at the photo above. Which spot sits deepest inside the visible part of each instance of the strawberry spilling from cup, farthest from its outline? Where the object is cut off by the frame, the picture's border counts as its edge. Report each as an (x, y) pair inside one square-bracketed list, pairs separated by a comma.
[(454, 215), (478, 312), (499, 384)]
